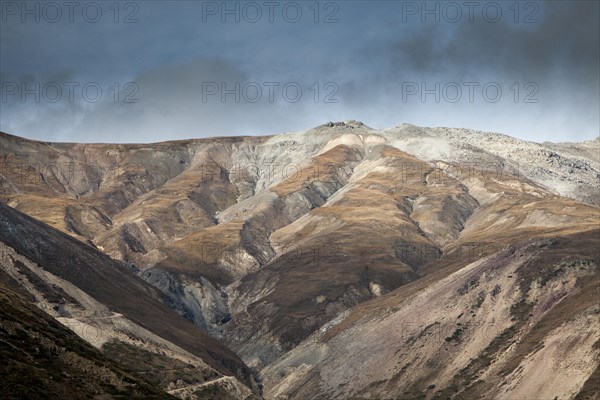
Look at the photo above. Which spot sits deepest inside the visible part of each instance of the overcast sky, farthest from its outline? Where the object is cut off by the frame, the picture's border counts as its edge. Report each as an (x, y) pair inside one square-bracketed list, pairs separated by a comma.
[(184, 69)]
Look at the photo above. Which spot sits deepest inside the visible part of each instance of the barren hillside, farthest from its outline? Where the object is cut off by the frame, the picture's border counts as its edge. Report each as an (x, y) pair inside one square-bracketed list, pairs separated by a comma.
[(341, 261)]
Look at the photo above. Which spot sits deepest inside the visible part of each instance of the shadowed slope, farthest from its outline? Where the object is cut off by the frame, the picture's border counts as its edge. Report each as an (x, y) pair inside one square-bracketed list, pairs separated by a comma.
[(110, 284), (42, 359)]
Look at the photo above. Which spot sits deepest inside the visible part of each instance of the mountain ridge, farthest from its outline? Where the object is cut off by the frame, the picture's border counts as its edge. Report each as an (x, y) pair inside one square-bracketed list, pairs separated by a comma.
[(270, 243), (354, 123)]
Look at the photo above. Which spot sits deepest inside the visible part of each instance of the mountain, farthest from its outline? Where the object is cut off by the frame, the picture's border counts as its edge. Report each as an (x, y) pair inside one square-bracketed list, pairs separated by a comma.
[(518, 324), (341, 261), (42, 359), (109, 306)]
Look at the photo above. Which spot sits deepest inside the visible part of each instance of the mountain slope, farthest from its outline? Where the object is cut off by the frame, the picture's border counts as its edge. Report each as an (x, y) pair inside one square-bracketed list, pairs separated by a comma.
[(519, 323), (267, 243), (44, 360), (54, 264)]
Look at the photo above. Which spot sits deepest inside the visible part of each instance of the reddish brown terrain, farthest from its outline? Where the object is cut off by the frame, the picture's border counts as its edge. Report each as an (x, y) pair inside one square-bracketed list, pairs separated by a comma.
[(335, 263)]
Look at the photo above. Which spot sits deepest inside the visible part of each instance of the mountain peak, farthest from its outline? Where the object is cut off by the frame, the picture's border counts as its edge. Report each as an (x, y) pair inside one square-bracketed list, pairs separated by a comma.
[(349, 123)]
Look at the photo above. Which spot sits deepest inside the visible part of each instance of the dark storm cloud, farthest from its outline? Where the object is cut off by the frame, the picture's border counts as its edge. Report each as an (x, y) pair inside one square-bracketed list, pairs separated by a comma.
[(199, 98), (559, 55), (174, 102), (564, 41), (368, 55)]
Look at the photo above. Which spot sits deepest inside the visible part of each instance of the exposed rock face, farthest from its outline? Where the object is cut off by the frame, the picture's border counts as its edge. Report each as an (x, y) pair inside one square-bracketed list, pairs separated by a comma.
[(197, 300), (304, 252)]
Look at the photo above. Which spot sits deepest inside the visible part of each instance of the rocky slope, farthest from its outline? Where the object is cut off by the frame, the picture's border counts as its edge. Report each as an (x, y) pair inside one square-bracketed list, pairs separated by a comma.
[(304, 252), (519, 323), (42, 359), (109, 306)]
